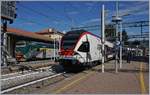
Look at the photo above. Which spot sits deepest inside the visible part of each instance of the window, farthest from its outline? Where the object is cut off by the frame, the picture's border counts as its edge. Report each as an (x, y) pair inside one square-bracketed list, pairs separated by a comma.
[(70, 39), (99, 47), (85, 47)]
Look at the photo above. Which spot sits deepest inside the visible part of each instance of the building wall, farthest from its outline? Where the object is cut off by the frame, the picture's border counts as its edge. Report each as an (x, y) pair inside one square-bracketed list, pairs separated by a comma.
[(54, 36)]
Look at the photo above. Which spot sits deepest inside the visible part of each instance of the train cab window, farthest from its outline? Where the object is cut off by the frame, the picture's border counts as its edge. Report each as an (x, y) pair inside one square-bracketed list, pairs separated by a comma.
[(70, 39), (85, 47)]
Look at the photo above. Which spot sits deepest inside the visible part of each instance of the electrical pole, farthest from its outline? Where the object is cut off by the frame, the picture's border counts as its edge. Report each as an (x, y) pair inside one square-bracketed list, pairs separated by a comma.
[(121, 45), (117, 19), (54, 45), (116, 56), (103, 35), (4, 43)]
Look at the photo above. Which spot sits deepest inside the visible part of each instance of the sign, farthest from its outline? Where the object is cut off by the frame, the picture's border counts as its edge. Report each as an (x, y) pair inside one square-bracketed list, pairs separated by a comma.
[(8, 10), (118, 43)]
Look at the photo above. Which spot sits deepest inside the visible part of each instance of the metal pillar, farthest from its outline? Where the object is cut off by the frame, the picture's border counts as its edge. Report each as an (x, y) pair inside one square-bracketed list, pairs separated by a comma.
[(11, 43), (54, 46), (116, 56), (103, 35), (116, 62), (59, 40), (120, 45), (4, 43)]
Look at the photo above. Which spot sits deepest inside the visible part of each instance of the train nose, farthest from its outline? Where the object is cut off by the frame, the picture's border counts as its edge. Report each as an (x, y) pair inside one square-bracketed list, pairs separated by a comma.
[(66, 53)]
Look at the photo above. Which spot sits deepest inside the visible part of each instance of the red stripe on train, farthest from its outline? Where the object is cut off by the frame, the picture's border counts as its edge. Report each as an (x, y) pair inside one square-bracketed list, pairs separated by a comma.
[(66, 52)]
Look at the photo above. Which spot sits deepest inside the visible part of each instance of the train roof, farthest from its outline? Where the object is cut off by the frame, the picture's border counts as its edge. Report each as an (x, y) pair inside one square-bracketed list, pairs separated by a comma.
[(75, 35), (76, 31), (80, 32)]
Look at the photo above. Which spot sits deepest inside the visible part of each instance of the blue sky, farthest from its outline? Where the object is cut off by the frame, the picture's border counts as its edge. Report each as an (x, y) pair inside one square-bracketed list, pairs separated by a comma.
[(62, 15)]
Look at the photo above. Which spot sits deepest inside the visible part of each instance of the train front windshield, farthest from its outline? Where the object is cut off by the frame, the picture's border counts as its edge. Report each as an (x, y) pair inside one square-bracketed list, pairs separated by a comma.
[(70, 39)]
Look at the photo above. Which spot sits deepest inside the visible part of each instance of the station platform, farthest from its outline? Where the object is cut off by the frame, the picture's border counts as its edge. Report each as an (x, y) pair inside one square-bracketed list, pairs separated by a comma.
[(133, 78)]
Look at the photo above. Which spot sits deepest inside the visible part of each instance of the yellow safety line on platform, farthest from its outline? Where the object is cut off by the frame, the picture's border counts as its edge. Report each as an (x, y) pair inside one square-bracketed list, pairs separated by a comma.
[(72, 83), (142, 83)]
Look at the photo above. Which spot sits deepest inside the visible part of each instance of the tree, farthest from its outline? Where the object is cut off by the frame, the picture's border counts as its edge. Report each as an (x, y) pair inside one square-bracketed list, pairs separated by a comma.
[(135, 43), (110, 32), (124, 37)]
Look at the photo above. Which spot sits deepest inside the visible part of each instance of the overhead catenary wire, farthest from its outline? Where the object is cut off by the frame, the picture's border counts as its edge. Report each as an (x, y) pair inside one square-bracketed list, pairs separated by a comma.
[(39, 13), (32, 21), (60, 14), (71, 19), (125, 25)]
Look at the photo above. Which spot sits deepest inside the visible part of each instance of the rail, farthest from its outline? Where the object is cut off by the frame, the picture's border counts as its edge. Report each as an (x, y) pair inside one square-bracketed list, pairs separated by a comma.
[(11, 88)]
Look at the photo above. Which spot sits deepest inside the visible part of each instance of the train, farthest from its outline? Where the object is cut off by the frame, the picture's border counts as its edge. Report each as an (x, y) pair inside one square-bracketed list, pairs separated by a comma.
[(80, 48), (30, 51)]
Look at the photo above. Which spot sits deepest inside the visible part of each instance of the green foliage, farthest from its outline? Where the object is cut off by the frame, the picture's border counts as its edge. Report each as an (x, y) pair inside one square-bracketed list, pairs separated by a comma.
[(110, 31), (124, 36)]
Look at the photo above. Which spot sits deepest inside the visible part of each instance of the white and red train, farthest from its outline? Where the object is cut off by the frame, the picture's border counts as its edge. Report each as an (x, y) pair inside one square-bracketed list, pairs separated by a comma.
[(82, 48)]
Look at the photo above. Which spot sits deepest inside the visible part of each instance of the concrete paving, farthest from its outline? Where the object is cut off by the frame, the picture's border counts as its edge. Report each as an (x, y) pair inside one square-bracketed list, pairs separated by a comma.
[(131, 79)]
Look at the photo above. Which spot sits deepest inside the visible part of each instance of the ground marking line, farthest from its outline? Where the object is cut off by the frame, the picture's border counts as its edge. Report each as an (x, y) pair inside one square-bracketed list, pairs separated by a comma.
[(72, 83), (142, 83)]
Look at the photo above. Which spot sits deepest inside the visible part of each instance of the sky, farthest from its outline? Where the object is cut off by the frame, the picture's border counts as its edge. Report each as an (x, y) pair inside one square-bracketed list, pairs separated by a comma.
[(35, 16)]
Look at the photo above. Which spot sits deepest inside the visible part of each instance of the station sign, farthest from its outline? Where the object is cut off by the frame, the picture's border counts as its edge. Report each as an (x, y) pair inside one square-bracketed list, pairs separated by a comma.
[(8, 10), (118, 43)]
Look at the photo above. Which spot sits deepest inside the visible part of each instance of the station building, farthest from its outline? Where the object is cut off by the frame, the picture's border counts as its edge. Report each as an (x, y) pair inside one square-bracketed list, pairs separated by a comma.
[(21, 44), (51, 33), (56, 37)]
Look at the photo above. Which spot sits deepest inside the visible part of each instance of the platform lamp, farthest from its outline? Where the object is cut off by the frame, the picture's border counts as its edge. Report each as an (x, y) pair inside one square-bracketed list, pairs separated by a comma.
[(116, 19)]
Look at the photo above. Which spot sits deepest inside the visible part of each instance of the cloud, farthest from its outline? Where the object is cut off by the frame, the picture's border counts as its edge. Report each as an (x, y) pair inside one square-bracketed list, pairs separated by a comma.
[(138, 8), (29, 23), (93, 20), (56, 22), (146, 12), (90, 6), (129, 4)]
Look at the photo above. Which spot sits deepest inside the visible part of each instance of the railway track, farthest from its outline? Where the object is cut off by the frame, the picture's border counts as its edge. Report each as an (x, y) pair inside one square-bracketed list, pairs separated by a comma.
[(10, 83), (35, 62), (24, 72), (28, 65), (25, 84), (20, 83), (15, 81)]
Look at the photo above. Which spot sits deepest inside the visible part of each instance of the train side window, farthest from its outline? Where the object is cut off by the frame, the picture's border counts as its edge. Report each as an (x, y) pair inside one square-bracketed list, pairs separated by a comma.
[(85, 47), (98, 47)]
